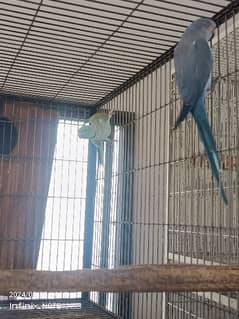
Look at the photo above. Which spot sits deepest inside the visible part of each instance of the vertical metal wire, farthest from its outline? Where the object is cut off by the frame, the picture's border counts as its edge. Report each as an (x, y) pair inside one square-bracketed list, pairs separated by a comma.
[(161, 199), (211, 243), (236, 185)]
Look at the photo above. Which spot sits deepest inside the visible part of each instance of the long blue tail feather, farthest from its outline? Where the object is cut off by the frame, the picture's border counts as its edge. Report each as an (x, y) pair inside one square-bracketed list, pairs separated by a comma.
[(208, 141)]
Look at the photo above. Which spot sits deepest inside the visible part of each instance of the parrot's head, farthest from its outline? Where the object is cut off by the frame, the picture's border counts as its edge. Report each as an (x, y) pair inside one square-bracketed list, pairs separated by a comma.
[(86, 131), (205, 27)]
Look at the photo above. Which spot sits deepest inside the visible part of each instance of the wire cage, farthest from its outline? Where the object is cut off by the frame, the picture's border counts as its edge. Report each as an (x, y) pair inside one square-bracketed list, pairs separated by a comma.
[(153, 201)]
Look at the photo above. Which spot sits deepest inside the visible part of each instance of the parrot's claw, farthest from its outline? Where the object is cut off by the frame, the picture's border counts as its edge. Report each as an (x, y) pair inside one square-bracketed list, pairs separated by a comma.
[(108, 140), (215, 81)]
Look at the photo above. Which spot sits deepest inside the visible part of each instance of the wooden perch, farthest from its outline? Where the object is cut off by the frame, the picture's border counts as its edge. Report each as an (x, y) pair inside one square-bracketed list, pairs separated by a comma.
[(141, 278)]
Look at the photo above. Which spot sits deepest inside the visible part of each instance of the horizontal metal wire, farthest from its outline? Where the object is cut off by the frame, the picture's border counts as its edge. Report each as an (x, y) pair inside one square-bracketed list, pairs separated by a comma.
[(219, 18), (155, 201), (62, 45)]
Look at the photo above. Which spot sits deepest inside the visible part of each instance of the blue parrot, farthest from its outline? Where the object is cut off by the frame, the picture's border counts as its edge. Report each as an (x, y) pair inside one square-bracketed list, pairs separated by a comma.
[(193, 65)]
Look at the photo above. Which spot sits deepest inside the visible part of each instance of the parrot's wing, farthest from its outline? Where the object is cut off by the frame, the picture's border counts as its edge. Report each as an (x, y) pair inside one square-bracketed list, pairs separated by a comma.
[(102, 128), (193, 65)]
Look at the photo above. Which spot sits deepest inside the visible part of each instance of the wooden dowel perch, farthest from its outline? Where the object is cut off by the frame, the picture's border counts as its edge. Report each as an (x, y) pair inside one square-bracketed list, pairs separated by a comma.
[(141, 278)]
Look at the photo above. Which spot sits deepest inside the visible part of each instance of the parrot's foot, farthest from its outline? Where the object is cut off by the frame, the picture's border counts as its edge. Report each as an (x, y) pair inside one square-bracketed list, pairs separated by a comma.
[(108, 140), (215, 81)]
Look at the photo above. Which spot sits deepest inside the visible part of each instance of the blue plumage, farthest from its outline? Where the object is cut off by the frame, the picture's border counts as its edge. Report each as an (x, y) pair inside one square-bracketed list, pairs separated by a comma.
[(205, 132), (193, 64)]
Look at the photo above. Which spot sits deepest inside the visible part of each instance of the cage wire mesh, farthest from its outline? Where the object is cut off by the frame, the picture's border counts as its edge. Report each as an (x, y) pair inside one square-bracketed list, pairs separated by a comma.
[(154, 200)]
